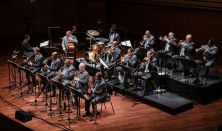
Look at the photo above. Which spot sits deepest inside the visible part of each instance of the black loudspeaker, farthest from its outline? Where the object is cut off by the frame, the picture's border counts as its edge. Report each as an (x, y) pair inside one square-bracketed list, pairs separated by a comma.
[(23, 116)]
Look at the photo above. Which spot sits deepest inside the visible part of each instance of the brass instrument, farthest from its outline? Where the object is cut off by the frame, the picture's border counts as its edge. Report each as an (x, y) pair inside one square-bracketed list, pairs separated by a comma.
[(58, 75), (74, 82), (202, 48)]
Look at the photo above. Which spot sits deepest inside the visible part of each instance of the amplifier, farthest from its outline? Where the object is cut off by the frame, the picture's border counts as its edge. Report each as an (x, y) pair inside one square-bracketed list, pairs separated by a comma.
[(23, 116)]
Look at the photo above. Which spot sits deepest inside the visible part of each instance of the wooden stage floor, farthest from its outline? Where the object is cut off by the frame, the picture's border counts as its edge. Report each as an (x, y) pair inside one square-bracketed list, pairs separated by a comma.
[(140, 117)]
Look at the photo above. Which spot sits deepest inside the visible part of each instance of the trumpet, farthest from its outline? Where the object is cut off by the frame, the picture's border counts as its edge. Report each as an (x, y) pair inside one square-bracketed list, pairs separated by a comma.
[(202, 48)]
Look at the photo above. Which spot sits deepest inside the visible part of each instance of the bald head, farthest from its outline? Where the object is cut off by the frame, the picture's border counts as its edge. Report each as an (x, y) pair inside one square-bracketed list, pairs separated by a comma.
[(82, 67), (188, 37), (170, 34), (147, 33), (54, 55)]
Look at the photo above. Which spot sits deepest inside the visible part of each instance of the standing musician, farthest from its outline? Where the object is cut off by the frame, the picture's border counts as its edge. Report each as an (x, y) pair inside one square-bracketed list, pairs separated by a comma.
[(170, 44), (148, 40), (35, 66), (65, 74), (97, 95), (113, 35), (80, 80), (27, 49), (147, 71), (69, 38)]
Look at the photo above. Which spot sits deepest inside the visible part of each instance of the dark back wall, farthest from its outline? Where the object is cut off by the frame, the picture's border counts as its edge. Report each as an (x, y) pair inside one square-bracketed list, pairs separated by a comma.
[(19, 17)]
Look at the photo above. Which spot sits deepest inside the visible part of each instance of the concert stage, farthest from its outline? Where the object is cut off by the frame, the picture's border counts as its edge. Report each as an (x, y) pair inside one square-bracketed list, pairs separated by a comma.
[(210, 91), (165, 101)]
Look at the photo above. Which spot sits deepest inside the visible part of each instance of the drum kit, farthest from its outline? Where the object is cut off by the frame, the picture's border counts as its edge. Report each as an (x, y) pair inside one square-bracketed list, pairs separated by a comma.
[(95, 49)]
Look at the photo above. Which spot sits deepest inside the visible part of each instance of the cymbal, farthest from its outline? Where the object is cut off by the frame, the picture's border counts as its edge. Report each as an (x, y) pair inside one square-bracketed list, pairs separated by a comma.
[(103, 39), (93, 32)]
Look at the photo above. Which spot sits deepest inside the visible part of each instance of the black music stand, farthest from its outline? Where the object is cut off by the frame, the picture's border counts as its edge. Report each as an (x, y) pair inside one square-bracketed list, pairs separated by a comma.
[(163, 56), (60, 87), (45, 80), (79, 96), (13, 69)]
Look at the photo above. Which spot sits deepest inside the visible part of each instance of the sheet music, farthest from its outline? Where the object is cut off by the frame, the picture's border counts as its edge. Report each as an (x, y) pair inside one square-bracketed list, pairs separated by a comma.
[(45, 43), (103, 63), (126, 43)]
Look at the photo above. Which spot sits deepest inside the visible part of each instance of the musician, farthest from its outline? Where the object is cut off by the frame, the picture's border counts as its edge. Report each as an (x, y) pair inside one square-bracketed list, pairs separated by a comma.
[(113, 35), (148, 40), (64, 75), (186, 47), (80, 80), (69, 38), (147, 72), (129, 60), (50, 70), (97, 95), (170, 44), (114, 53), (140, 51), (209, 57), (35, 66), (27, 49)]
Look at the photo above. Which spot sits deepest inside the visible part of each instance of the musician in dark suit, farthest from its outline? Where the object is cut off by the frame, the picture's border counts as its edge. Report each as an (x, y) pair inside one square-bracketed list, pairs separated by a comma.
[(209, 57), (130, 60), (187, 47), (170, 44), (50, 71), (114, 53), (147, 72), (69, 38), (27, 49), (35, 66), (148, 40), (98, 94), (64, 75), (113, 35), (80, 80)]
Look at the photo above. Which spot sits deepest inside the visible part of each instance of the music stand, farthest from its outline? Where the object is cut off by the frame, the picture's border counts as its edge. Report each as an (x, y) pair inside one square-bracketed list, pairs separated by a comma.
[(12, 68), (61, 87), (44, 79), (79, 96)]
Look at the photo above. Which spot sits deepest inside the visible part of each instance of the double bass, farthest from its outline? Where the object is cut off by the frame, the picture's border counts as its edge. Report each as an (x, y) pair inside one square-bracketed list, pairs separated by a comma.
[(71, 45)]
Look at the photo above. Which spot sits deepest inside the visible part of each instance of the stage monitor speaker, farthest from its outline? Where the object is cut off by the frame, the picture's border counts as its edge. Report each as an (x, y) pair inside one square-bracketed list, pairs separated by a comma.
[(23, 116)]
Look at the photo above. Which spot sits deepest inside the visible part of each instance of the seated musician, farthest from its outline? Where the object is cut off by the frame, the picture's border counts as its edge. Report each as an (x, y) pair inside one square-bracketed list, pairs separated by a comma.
[(129, 60), (140, 51), (148, 40), (170, 44), (114, 53), (147, 72), (65, 74), (113, 35), (27, 49), (50, 71), (35, 66), (209, 56), (69, 38), (97, 95), (187, 47), (80, 80)]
